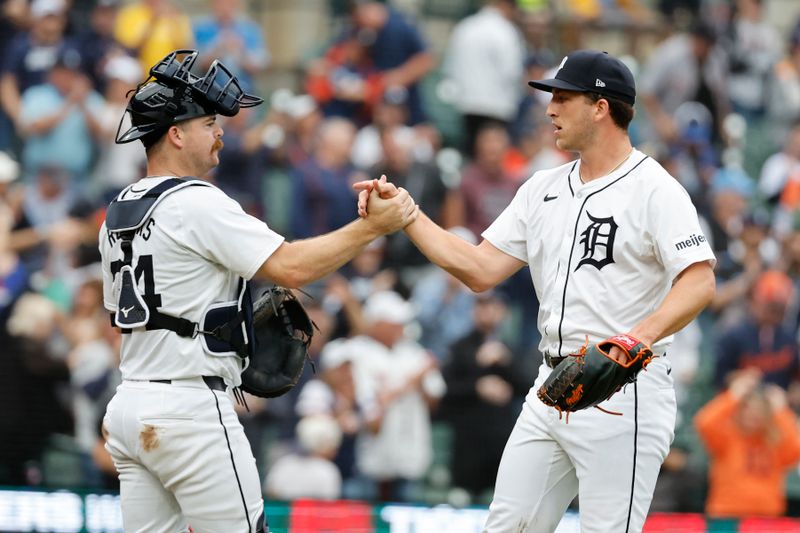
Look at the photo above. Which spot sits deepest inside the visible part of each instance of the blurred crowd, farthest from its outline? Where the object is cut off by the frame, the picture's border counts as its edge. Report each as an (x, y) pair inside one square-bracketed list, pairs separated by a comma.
[(416, 380)]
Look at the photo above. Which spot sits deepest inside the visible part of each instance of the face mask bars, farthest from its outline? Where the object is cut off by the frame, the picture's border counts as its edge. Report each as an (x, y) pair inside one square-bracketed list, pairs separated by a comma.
[(221, 87), (174, 72), (218, 87)]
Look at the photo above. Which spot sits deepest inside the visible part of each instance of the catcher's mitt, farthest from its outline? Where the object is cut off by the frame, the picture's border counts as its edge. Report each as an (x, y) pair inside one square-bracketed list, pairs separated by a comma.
[(589, 377), (283, 332)]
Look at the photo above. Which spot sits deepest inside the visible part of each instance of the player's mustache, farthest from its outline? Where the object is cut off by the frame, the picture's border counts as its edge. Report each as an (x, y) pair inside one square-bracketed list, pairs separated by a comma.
[(218, 145)]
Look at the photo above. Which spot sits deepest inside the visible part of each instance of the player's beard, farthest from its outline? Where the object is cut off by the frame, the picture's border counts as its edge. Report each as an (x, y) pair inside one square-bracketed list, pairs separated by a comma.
[(580, 135), (218, 146)]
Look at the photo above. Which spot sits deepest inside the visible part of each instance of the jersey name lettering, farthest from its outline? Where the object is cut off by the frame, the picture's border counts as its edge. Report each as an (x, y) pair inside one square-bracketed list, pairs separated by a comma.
[(598, 242), (144, 231)]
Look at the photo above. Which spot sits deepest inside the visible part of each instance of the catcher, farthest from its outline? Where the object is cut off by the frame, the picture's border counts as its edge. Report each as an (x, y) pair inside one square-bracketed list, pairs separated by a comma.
[(177, 257)]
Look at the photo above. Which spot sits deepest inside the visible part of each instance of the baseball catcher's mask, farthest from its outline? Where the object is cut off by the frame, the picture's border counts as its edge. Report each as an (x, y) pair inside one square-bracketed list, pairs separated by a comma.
[(173, 93)]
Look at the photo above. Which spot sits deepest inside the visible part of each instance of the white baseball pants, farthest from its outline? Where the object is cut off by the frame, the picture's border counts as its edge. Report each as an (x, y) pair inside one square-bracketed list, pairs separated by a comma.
[(610, 462), (183, 459)]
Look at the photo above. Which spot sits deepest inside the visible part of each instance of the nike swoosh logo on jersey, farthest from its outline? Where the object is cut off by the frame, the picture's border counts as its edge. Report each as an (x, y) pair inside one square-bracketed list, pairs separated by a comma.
[(547, 197), (126, 310), (138, 192)]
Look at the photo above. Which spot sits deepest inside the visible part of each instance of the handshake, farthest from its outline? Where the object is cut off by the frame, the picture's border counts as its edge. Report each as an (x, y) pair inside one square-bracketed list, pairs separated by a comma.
[(384, 206)]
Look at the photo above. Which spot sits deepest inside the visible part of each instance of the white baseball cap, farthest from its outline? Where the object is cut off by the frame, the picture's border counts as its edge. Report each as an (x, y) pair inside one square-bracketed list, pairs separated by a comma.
[(388, 306), (42, 8), (9, 168), (318, 433), (334, 354), (123, 68)]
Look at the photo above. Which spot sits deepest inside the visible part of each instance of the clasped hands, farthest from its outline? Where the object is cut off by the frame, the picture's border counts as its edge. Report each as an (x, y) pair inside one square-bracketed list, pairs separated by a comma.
[(389, 207)]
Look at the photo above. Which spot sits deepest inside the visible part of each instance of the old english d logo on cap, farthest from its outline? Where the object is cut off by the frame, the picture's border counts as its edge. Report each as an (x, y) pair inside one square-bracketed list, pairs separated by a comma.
[(592, 71)]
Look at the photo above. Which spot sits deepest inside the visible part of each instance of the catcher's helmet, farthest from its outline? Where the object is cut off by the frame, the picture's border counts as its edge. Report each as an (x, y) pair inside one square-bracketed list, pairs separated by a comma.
[(173, 93)]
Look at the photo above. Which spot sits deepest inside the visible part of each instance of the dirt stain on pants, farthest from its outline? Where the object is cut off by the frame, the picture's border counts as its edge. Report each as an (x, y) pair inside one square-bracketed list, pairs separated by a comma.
[(149, 437)]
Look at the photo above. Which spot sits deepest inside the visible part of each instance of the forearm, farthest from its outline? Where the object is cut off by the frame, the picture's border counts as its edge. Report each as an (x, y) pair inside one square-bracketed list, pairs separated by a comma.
[(789, 437), (731, 291), (355, 316), (25, 239), (10, 97), (478, 267), (412, 70), (297, 263), (691, 293), (461, 387), (95, 128), (15, 11), (44, 124), (446, 250)]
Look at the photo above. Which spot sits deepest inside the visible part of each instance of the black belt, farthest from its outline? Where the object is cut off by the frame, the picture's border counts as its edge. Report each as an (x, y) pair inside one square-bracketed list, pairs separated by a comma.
[(213, 382), (553, 360)]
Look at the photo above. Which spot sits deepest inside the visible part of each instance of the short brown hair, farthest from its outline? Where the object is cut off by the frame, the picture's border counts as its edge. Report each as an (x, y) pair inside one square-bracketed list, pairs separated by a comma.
[(621, 112)]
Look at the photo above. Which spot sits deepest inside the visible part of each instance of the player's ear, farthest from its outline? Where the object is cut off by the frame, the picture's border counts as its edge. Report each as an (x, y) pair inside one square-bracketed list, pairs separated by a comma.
[(601, 109), (175, 135)]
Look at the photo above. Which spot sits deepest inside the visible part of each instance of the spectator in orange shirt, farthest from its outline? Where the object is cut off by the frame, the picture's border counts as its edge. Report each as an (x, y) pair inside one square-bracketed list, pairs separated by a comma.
[(752, 437), (345, 82)]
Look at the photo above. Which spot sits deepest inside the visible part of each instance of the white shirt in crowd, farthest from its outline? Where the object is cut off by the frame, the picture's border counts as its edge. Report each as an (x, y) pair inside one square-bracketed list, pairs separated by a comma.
[(403, 447), (118, 165), (296, 476), (778, 169), (485, 61)]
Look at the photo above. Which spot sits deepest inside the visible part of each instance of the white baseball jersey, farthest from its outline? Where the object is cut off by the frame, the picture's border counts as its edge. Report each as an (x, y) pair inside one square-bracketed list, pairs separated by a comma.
[(187, 256), (604, 254)]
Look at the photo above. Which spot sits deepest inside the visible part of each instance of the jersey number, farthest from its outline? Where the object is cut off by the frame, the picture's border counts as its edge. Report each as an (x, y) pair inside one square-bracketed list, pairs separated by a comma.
[(144, 268)]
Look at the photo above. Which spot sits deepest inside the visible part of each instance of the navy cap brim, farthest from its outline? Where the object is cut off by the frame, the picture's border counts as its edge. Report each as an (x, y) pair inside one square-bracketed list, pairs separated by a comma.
[(549, 85)]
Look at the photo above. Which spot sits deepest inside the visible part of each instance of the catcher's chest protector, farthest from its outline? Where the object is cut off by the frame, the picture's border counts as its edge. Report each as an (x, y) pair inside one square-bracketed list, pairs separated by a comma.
[(227, 327)]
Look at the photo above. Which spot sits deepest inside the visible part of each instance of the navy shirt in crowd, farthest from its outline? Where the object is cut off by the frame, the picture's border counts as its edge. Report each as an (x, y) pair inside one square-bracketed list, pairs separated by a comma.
[(746, 345), (396, 43)]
